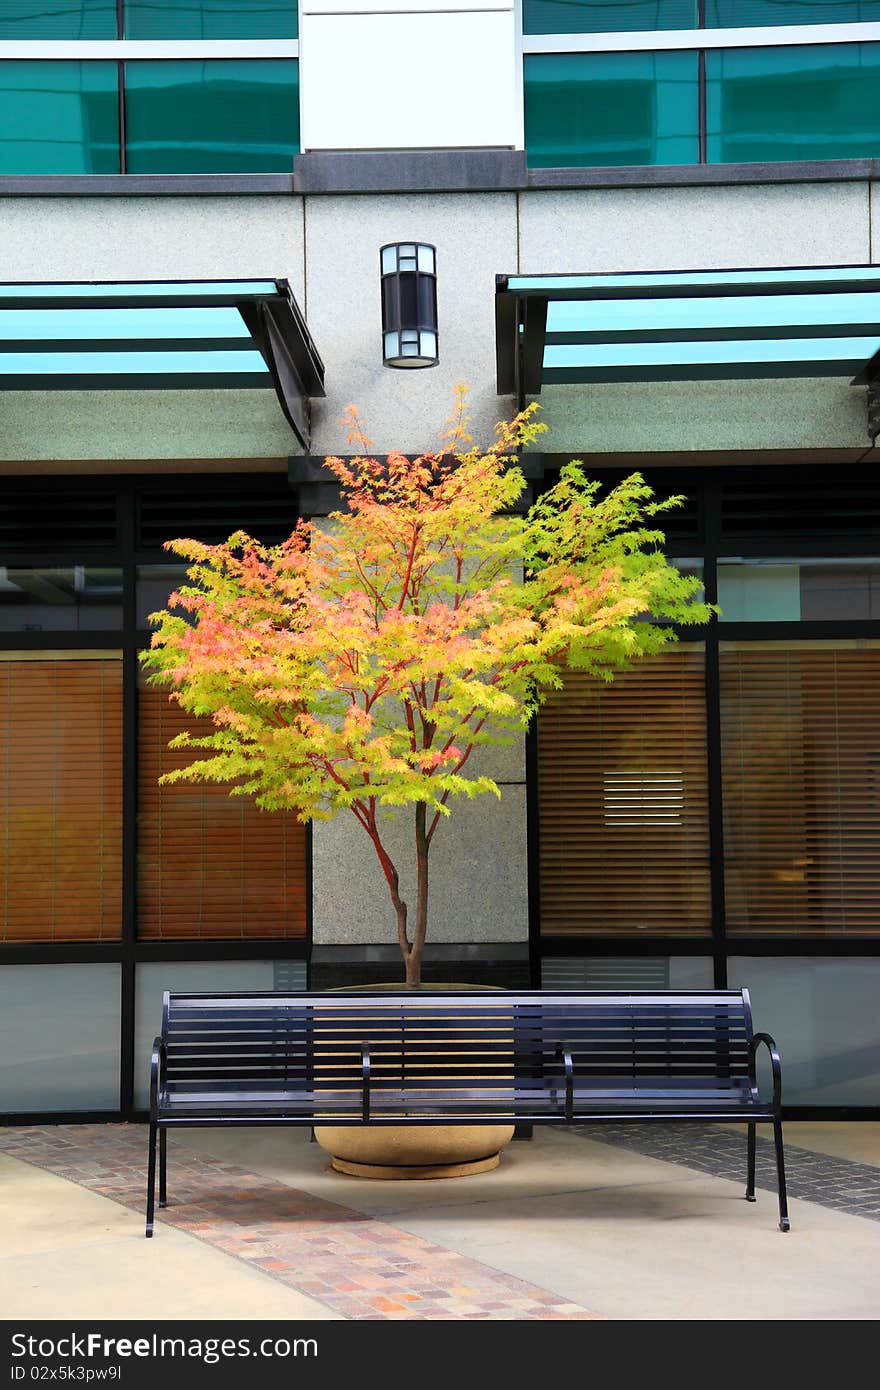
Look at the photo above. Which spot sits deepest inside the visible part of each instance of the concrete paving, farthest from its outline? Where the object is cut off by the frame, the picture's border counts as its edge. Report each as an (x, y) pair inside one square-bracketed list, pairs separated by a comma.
[(66, 1252), (623, 1234), (610, 1230)]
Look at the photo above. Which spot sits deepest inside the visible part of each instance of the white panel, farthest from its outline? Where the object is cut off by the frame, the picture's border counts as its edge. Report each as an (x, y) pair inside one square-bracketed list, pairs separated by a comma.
[(401, 6), (370, 81), (79, 49), (653, 40)]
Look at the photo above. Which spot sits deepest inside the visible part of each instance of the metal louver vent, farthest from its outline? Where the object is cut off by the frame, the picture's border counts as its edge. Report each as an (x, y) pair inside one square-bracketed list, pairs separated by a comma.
[(265, 509), (612, 972), (813, 508), (50, 519)]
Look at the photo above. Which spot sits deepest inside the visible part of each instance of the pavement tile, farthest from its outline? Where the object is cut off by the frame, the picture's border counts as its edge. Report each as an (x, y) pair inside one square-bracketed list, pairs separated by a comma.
[(361, 1267)]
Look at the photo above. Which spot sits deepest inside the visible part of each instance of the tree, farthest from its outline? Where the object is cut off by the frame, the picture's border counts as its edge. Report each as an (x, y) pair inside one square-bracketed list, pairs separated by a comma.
[(361, 666)]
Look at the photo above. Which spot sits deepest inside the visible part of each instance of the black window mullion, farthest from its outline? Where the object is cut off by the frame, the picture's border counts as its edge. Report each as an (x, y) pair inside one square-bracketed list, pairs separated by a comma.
[(712, 512), (123, 163), (129, 803)]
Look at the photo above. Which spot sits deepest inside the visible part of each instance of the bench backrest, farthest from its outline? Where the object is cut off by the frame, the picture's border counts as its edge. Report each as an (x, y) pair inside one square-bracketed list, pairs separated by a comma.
[(459, 1046)]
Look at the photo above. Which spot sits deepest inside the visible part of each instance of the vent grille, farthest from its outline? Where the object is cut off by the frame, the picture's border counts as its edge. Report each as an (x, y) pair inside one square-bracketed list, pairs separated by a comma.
[(809, 508), (613, 972), (266, 510), (53, 520)]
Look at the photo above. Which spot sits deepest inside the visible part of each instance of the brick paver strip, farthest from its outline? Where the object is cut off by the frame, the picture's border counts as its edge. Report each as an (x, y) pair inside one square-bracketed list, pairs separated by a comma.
[(352, 1263)]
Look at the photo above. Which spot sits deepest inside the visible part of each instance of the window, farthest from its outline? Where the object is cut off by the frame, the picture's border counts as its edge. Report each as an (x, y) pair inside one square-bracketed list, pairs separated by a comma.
[(816, 102), (622, 794), (59, 118), (732, 14), (239, 116), (606, 16), (60, 796), (57, 19), (59, 1037), (211, 865), (800, 749), (611, 109), (210, 19), (815, 590), (66, 598)]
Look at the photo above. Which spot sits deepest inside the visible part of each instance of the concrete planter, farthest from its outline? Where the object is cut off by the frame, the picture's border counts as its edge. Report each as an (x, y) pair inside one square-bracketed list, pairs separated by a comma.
[(400, 1152)]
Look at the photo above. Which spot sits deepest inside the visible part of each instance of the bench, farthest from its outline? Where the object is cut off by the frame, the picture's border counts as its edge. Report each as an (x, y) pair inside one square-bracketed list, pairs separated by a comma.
[(409, 1058)]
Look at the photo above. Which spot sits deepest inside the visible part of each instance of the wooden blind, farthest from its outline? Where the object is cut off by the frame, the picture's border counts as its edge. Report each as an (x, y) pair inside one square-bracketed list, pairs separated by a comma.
[(801, 783), (61, 797), (209, 864), (623, 806)]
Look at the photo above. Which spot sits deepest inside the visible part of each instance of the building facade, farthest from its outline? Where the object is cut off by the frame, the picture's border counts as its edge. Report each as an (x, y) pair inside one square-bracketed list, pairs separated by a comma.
[(712, 816)]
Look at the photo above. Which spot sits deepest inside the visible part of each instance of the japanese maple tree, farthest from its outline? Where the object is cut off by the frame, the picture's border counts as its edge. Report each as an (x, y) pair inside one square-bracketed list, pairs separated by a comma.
[(361, 665)]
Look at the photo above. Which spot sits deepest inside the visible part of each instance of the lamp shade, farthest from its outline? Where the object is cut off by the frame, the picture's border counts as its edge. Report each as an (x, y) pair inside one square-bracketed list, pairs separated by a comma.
[(409, 304)]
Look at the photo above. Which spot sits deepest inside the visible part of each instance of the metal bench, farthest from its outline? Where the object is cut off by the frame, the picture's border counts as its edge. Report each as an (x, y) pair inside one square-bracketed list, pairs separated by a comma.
[(409, 1058)]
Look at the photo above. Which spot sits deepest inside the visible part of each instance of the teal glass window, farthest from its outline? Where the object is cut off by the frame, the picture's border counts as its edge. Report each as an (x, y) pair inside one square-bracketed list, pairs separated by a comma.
[(211, 19), (57, 19), (606, 16), (237, 116), (816, 102), (740, 14), (585, 109), (59, 118)]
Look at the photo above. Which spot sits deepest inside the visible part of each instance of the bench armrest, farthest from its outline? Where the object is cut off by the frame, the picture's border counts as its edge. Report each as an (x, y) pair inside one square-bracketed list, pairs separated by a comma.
[(764, 1039), (157, 1074), (563, 1052), (365, 1072)]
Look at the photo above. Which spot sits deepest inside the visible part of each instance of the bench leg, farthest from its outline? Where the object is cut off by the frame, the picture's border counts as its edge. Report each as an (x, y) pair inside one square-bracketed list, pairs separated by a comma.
[(163, 1167), (750, 1178), (784, 1223), (151, 1180)]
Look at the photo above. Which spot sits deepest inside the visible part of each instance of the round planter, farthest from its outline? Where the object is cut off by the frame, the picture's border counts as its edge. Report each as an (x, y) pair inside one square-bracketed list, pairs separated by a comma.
[(400, 1152)]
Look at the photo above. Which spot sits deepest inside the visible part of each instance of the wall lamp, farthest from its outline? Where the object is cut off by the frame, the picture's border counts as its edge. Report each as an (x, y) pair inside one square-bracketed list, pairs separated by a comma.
[(409, 304)]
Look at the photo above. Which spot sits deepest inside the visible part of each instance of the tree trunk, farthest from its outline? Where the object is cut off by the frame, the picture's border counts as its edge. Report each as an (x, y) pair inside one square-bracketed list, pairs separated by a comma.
[(416, 950)]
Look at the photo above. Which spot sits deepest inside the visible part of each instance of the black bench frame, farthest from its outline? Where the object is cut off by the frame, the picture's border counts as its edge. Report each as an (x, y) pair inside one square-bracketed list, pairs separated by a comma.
[(744, 1107)]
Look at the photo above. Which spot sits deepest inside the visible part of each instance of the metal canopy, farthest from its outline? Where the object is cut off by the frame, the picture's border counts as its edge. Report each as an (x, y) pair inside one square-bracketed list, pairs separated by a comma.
[(687, 326), (152, 335)]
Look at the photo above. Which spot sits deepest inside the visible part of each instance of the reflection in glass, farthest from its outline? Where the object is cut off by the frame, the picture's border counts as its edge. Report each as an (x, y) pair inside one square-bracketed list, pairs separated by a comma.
[(733, 14), (59, 117), (586, 109), (817, 101), (606, 16), (71, 598), (155, 585), (57, 19), (798, 590), (210, 19), (223, 116)]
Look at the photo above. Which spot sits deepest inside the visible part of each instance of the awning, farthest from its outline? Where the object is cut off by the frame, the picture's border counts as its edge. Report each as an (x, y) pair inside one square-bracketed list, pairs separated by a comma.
[(151, 335), (687, 326)]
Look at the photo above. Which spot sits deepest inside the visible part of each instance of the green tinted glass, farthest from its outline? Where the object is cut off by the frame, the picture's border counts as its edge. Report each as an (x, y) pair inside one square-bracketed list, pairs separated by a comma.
[(611, 108), (724, 14), (240, 116), (59, 118), (57, 19), (606, 16), (210, 19), (816, 102)]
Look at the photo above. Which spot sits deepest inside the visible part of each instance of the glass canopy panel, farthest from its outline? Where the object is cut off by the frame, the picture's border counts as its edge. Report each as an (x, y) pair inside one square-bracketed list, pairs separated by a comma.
[(607, 16), (199, 291), (57, 19), (590, 109), (59, 117), (210, 19), (235, 116), (735, 14), (810, 102), (776, 313), (842, 356), (677, 281), (83, 325), (130, 363)]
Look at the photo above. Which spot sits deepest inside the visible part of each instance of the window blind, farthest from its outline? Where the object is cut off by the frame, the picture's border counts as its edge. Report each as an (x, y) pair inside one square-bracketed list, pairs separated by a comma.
[(800, 726), (623, 806), (61, 796), (210, 864)]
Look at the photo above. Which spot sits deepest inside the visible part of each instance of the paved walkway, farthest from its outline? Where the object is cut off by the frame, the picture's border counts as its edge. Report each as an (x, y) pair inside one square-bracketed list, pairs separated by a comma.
[(626, 1222)]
